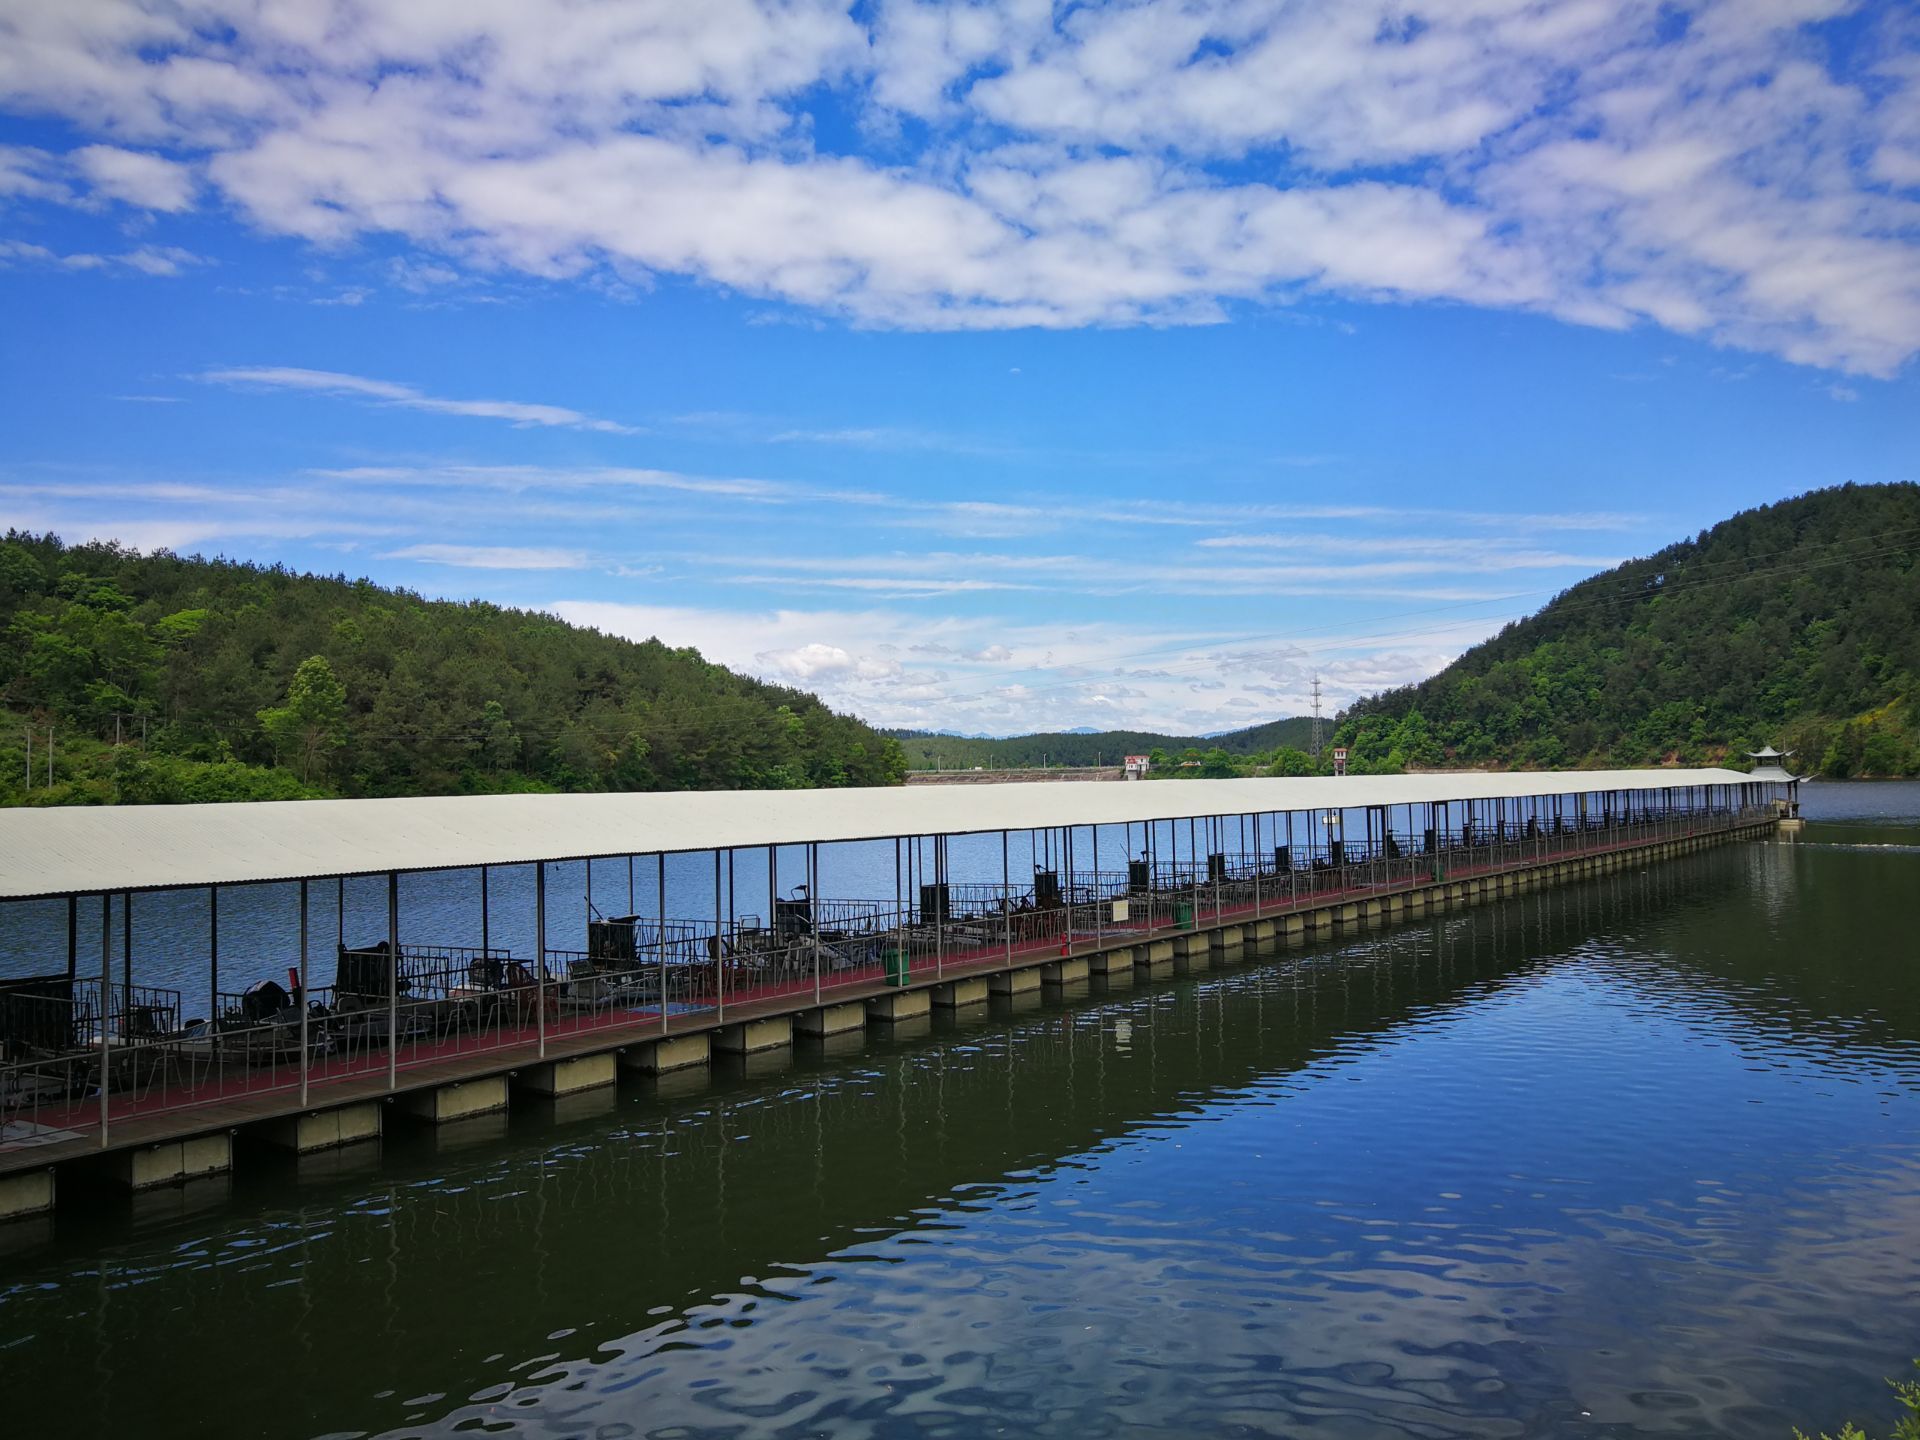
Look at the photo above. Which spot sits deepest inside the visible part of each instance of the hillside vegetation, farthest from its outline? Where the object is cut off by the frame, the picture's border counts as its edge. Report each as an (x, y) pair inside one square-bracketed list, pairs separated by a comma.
[(229, 681), (165, 678), (1796, 624), (925, 751)]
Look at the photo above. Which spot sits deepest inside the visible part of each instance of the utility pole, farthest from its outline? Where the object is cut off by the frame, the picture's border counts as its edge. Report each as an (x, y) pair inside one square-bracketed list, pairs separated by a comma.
[(1316, 717)]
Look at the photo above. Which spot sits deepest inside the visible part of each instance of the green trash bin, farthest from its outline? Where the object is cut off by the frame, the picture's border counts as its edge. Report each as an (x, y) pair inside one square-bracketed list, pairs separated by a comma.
[(1183, 914), (897, 966)]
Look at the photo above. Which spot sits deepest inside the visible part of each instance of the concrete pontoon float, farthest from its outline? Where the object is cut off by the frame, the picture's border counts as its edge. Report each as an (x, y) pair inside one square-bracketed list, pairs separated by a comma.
[(735, 919)]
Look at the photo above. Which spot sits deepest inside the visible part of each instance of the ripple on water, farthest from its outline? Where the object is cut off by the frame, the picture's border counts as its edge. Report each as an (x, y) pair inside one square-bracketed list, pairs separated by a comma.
[(1637, 1157)]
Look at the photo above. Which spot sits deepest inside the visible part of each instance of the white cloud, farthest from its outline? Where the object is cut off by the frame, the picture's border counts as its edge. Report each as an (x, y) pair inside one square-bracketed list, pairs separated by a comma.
[(1429, 552), (148, 259), (809, 662), (408, 397), (492, 557), (991, 675), (181, 516), (151, 182), (159, 259), (907, 573), (516, 479), (1720, 172), (915, 635), (30, 174)]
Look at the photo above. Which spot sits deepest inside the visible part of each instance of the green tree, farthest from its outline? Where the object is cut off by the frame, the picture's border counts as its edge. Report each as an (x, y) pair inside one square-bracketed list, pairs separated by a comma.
[(1907, 1427), (1217, 764), (20, 572), (1287, 760), (499, 744), (313, 721), (180, 627), (1845, 753)]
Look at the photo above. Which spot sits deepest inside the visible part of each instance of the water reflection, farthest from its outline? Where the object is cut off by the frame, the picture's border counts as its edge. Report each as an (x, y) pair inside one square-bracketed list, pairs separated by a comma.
[(1635, 1156)]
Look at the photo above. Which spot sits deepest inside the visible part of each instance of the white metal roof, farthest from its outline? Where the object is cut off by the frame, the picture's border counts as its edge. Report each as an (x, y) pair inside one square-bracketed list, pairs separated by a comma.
[(60, 851)]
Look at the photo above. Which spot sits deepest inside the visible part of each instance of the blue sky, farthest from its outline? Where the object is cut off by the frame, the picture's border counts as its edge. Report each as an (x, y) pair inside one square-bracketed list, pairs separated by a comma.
[(992, 367)]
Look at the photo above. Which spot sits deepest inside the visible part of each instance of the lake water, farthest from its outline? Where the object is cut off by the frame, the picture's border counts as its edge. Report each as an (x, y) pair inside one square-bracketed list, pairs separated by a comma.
[(1639, 1156)]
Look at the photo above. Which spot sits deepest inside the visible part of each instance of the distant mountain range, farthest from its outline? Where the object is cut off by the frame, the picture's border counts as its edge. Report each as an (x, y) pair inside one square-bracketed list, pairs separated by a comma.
[(929, 750)]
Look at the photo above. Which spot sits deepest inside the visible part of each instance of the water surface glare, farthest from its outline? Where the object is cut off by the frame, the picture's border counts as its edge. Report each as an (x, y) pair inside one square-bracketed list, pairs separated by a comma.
[(1639, 1156)]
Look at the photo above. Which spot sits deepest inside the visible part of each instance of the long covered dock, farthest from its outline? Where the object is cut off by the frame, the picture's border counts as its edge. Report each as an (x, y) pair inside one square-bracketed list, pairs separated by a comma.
[(299, 972)]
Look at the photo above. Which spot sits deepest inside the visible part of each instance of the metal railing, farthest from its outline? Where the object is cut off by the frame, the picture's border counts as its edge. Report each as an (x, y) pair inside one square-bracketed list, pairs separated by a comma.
[(76, 1061)]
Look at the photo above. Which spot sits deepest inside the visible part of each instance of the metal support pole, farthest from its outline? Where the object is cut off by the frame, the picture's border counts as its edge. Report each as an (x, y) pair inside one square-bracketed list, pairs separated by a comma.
[(304, 1007), (1293, 867), (660, 932), (213, 947), (1213, 848), (813, 881), (719, 970), (393, 979), (106, 1030), (1193, 864), (1099, 900), (73, 935), (1259, 864), (940, 912), (540, 954), (1006, 896), (126, 943), (486, 930), (1066, 847)]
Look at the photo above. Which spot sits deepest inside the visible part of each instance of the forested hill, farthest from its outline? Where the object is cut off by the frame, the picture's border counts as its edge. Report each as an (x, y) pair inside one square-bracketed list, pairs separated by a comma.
[(230, 681), (927, 751), (1796, 624)]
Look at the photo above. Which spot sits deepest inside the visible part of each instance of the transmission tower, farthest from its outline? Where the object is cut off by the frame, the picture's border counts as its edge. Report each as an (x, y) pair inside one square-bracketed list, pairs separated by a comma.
[(1316, 717)]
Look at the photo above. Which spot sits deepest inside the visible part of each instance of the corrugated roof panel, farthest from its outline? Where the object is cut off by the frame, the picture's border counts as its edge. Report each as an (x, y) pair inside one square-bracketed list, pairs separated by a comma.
[(144, 847)]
